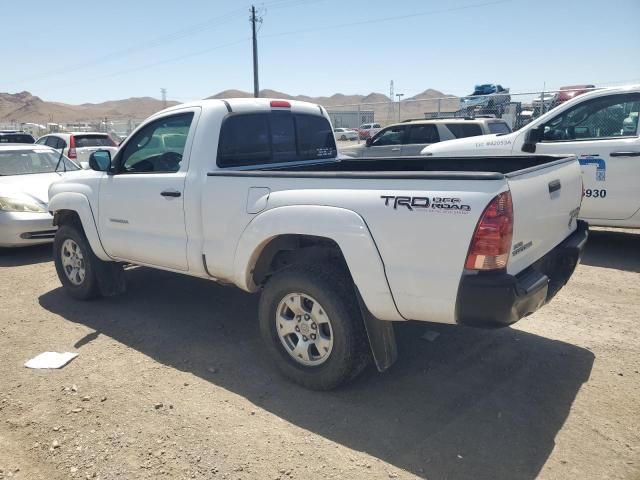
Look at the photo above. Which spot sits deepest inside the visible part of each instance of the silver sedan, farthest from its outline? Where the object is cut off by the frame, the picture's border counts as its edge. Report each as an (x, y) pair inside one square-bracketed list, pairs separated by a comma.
[(26, 171)]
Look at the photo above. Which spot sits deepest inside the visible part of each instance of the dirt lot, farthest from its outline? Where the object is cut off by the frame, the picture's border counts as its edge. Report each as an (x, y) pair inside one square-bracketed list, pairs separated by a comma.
[(172, 382)]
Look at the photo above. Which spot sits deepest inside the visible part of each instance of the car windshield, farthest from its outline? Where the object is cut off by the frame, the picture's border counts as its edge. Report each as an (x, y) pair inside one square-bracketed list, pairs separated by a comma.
[(82, 141), (28, 162), (16, 138)]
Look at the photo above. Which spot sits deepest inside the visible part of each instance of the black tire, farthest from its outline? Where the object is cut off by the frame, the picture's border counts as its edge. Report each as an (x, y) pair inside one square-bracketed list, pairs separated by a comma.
[(343, 137), (88, 288), (334, 291)]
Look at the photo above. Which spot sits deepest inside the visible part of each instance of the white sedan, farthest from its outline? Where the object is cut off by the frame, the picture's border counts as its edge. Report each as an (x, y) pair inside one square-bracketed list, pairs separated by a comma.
[(345, 134), (26, 171)]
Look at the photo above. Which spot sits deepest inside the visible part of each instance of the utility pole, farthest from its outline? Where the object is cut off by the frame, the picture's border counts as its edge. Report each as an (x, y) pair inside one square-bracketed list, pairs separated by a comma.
[(163, 92), (254, 19), (399, 95)]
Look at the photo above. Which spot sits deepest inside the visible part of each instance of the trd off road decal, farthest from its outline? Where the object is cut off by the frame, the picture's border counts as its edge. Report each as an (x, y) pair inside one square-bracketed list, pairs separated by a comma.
[(601, 165), (428, 204), (520, 247)]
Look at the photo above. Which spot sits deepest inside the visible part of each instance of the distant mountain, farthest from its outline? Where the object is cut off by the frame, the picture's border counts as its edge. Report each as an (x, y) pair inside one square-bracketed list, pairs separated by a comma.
[(25, 107)]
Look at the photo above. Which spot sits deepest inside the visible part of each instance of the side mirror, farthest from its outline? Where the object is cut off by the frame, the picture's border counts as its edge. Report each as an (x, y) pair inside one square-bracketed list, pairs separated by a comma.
[(100, 160), (369, 142), (532, 137)]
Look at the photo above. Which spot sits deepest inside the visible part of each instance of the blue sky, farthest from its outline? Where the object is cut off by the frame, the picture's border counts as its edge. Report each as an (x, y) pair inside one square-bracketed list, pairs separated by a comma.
[(73, 52)]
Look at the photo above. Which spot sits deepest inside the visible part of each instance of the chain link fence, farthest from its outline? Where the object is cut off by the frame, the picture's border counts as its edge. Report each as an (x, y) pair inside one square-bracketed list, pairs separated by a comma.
[(118, 129), (516, 109)]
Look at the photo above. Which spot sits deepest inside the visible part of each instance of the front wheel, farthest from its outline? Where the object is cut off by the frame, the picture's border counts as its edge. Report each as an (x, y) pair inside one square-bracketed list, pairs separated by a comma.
[(343, 138), (75, 263), (312, 326)]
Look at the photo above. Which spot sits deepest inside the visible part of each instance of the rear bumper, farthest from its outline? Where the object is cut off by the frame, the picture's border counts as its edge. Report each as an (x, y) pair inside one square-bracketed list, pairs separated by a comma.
[(497, 299)]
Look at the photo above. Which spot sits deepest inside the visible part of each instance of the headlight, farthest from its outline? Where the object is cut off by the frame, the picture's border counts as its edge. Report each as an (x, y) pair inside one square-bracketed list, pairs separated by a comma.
[(13, 204)]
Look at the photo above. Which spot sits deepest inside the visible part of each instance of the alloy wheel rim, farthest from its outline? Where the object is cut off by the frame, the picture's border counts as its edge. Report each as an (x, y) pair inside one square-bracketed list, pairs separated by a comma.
[(73, 262), (304, 329)]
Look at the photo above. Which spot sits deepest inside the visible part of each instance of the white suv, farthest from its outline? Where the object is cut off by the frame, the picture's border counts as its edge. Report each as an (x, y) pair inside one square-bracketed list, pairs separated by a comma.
[(368, 130), (79, 145)]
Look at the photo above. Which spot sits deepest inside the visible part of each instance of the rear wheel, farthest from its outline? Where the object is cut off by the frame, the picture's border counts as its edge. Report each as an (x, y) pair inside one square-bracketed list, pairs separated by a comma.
[(75, 263), (312, 326), (343, 137)]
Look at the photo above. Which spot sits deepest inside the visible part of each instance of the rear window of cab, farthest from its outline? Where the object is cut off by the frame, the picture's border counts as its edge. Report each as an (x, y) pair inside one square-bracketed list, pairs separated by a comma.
[(274, 137)]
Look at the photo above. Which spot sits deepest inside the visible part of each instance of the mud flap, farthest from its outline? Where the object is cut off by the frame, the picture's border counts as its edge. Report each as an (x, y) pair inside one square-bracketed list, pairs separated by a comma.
[(111, 279), (382, 339)]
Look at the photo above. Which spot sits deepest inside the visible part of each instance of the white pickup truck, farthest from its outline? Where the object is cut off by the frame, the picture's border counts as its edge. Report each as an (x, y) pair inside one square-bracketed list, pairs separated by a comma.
[(601, 128), (254, 196)]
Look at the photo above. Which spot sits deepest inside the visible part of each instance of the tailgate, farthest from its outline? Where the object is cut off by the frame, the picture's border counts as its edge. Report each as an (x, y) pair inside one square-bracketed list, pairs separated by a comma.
[(546, 203)]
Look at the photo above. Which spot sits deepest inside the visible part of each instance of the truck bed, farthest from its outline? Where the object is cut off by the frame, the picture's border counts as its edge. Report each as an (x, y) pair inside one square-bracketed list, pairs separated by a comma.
[(480, 167)]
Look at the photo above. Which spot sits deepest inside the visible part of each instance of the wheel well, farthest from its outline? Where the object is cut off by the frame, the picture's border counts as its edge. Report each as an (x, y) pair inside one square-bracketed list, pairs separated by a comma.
[(286, 250), (67, 217)]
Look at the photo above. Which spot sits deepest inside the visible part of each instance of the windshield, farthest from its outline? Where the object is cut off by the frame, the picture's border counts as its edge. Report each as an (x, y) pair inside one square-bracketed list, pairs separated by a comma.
[(16, 138), (28, 162), (82, 141)]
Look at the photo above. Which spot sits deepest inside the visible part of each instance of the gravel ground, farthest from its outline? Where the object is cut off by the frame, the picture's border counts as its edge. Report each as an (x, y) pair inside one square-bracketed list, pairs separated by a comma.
[(172, 382)]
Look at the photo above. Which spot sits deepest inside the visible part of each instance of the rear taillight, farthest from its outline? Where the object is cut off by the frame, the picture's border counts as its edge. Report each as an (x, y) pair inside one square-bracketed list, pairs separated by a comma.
[(491, 241), (72, 148)]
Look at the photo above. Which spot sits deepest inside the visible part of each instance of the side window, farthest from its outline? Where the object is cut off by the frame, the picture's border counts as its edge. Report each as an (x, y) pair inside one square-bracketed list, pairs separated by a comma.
[(52, 142), (423, 134), (389, 136), (463, 130), (42, 140), (605, 117), (499, 127), (158, 147)]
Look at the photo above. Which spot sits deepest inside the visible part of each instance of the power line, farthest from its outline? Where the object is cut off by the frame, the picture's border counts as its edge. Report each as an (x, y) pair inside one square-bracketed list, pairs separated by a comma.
[(387, 19), (154, 64), (144, 45), (158, 41)]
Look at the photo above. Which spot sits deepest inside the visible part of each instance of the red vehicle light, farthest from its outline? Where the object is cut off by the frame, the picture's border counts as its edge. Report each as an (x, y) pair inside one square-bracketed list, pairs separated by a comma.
[(71, 153), (280, 104), (491, 242)]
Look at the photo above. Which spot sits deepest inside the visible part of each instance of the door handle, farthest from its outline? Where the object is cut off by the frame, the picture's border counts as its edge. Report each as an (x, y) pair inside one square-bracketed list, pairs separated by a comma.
[(554, 186), (170, 193), (395, 149), (625, 154)]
